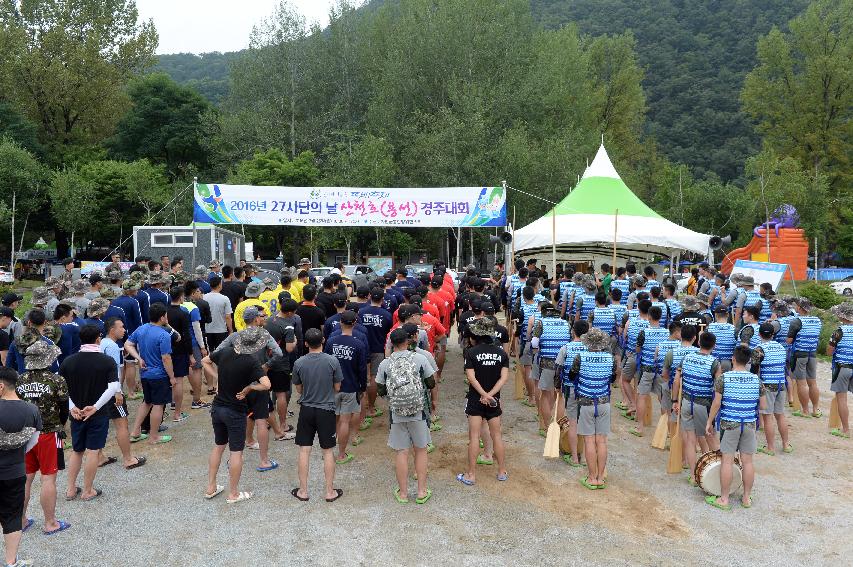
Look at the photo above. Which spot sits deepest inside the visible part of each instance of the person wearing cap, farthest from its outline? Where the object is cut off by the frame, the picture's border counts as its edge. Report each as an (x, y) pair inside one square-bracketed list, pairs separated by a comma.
[(738, 396), (377, 321), (548, 335), (563, 364), (804, 336), (96, 283), (49, 393), (693, 314), (57, 288), (403, 377), (78, 291), (214, 270), (594, 370), (286, 329), (151, 346), (747, 298), (841, 350), (269, 296), (726, 337), (155, 292), (93, 381), (317, 377), (352, 354), (37, 328), (200, 274), (403, 278), (240, 374), (769, 360), (638, 284), (252, 294), (487, 371)]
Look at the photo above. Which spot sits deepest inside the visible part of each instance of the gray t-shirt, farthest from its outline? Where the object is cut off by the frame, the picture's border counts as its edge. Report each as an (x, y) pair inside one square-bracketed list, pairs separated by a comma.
[(220, 306), (425, 370), (318, 372)]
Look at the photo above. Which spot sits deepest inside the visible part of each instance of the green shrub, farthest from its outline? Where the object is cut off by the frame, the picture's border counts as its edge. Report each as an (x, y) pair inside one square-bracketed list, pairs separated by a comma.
[(822, 296), (830, 323)]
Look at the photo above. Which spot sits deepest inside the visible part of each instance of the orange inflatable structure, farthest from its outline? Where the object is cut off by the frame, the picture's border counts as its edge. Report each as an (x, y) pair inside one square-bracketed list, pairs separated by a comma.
[(790, 247)]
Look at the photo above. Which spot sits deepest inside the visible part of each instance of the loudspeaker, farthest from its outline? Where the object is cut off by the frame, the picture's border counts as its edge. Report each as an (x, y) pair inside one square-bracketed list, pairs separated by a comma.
[(716, 242), (504, 238)]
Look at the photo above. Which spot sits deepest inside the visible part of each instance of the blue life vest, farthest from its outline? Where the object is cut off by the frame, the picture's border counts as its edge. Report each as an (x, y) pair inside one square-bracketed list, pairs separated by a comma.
[(565, 289), (634, 328), (784, 326), (740, 397), (624, 286), (773, 364), (619, 312), (528, 310), (674, 308), (766, 310), (555, 333), (809, 335), (652, 337), (738, 291), (663, 349), (515, 296), (724, 349), (572, 349), (538, 298), (650, 284), (632, 314), (696, 377), (678, 354), (605, 319), (718, 297), (595, 374), (755, 339), (844, 348), (753, 297), (587, 304)]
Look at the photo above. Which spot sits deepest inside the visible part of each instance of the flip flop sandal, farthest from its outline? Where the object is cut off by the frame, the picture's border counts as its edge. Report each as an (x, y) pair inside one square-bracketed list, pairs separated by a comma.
[(568, 460), (138, 438), (636, 432), (272, 467), (528, 403), (425, 498), (692, 481), (98, 493), (338, 494), (295, 494), (430, 448), (766, 451), (746, 505), (211, 391), (345, 460), (27, 525), (461, 478), (240, 497), (358, 441), (818, 413), (365, 424), (376, 413), (436, 417), (542, 433), (798, 413), (503, 477), (139, 462), (253, 446), (481, 460), (788, 449), (585, 482), (215, 493), (839, 433), (286, 436), (399, 498), (109, 461), (63, 525), (435, 427), (163, 439), (77, 491), (135, 396), (481, 444), (712, 500)]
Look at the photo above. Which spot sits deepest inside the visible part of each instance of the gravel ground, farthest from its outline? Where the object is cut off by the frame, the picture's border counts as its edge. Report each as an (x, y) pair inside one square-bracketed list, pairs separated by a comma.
[(156, 515)]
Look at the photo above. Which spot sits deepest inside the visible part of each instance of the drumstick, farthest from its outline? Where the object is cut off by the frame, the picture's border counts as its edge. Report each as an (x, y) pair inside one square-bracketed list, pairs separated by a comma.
[(675, 449)]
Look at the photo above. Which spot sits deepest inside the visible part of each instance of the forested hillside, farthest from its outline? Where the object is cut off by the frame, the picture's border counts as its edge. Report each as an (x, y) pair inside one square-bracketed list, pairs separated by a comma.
[(207, 73)]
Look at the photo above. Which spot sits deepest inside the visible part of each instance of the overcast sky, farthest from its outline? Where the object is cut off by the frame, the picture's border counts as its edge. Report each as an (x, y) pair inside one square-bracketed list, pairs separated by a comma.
[(201, 26)]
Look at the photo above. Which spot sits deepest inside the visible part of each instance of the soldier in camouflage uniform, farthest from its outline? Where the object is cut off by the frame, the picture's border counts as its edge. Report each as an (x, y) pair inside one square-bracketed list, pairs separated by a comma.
[(115, 264), (114, 276), (49, 392), (78, 290), (68, 264)]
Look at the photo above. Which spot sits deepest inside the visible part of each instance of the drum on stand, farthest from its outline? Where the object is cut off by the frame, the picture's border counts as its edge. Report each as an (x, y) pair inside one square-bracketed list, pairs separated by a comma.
[(707, 474)]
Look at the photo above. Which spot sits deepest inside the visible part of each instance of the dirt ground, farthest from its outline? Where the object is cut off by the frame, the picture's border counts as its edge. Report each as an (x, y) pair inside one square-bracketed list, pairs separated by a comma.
[(156, 515)]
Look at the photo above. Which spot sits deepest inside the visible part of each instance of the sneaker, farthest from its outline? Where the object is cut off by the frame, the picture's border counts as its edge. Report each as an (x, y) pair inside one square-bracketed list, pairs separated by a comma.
[(179, 418), (199, 405), (172, 406)]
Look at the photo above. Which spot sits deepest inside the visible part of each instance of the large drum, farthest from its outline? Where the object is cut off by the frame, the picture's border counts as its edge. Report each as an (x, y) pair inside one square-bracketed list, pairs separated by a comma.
[(707, 474)]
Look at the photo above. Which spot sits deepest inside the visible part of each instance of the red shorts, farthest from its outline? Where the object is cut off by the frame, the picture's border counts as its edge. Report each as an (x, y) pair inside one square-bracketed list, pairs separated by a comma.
[(47, 456)]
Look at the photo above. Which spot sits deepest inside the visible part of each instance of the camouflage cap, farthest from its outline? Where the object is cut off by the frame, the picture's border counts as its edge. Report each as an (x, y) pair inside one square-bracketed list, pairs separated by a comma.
[(52, 332), (41, 295), (181, 277), (139, 276), (639, 281), (250, 340), (80, 286), (589, 283), (482, 327), (689, 303), (113, 274), (253, 289), (200, 270), (109, 292), (578, 278), (130, 284), (98, 307), (268, 283), (40, 355), (157, 278), (28, 337), (596, 340), (736, 278), (703, 298), (843, 311), (781, 308), (52, 281), (69, 303), (804, 303)]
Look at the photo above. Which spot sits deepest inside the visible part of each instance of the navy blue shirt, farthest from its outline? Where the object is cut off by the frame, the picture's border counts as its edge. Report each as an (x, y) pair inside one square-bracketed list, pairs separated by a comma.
[(377, 322), (132, 312), (69, 342), (358, 331), (390, 301), (157, 296), (203, 286), (352, 355), (144, 305)]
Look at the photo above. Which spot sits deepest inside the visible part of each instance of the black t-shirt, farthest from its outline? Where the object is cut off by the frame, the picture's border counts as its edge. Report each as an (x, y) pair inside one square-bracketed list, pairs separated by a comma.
[(15, 416), (4, 340), (464, 320), (234, 291), (486, 360), (236, 371), (284, 332), (204, 311), (88, 374), (312, 317), (179, 320), (501, 334), (326, 301)]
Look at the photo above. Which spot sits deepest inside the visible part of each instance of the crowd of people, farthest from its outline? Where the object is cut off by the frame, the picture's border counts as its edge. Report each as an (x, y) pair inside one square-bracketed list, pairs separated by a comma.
[(717, 362)]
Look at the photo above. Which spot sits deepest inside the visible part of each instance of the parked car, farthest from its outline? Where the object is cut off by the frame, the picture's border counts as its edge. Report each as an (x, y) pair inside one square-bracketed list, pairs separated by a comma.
[(844, 287), (357, 275), (6, 275), (320, 272)]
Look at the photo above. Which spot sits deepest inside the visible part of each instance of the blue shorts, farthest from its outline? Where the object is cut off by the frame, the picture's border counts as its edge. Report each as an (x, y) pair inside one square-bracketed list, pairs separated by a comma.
[(180, 365), (156, 392), (90, 434)]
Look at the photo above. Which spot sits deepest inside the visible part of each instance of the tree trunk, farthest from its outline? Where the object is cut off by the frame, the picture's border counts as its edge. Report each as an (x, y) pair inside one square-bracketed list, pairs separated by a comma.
[(458, 234), (12, 260), (23, 231)]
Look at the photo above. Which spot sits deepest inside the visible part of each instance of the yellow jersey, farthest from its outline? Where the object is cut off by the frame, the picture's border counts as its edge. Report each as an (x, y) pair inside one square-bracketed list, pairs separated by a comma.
[(296, 290), (270, 300), (239, 323)]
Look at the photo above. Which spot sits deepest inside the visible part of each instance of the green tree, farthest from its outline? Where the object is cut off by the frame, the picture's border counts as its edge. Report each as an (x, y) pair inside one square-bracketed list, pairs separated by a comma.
[(65, 64), (23, 187), (71, 199), (16, 127), (272, 167), (163, 125)]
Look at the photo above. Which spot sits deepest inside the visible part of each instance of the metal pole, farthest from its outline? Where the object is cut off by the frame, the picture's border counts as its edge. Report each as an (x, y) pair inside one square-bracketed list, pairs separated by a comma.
[(815, 260), (615, 232), (554, 242), (12, 262), (195, 192)]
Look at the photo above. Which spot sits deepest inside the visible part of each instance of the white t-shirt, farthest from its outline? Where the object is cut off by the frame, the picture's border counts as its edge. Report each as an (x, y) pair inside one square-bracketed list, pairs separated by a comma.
[(220, 306)]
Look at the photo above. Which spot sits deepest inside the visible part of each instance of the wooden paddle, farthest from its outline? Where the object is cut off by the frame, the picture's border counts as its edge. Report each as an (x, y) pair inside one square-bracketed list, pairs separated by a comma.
[(834, 418), (661, 431), (675, 450), (647, 419), (519, 381), (552, 438), (797, 405)]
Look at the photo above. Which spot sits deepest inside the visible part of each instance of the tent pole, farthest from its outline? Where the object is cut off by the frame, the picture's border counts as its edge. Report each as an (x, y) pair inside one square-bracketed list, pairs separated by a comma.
[(195, 192), (554, 242), (615, 231)]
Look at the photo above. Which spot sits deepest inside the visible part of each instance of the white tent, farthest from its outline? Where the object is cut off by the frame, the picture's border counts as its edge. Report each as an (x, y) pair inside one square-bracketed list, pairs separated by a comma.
[(587, 221)]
